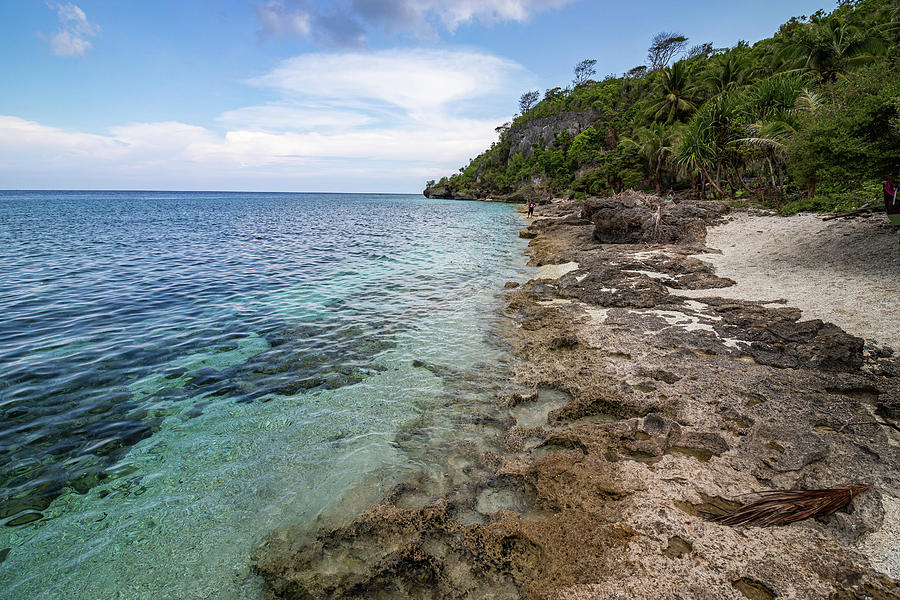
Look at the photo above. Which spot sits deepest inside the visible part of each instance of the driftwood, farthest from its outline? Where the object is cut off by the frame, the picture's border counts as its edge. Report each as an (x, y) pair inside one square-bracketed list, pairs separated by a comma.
[(788, 506), (850, 213), (657, 224)]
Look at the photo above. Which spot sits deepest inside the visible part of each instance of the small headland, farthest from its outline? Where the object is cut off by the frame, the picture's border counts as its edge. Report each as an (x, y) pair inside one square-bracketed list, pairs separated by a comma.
[(522, 196), (646, 398)]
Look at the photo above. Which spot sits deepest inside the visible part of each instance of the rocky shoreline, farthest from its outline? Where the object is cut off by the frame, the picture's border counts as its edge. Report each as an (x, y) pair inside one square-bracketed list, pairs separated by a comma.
[(634, 413)]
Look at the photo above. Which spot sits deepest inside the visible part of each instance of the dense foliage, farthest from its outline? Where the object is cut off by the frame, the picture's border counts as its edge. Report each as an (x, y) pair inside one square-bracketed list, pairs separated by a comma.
[(809, 118)]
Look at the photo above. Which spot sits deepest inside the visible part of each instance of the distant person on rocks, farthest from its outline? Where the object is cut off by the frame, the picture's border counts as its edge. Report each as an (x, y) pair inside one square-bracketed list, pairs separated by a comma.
[(891, 204), (890, 193), (531, 205)]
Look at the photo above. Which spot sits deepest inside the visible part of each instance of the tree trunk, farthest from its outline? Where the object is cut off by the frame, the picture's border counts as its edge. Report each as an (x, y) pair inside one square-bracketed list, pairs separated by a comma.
[(718, 178), (715, 184), (771, 171), (730, 176)]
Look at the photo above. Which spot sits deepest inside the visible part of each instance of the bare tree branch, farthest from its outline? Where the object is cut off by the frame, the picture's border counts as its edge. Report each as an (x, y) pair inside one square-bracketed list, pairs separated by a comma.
[(528, 100), (663, 47), (584, 71)]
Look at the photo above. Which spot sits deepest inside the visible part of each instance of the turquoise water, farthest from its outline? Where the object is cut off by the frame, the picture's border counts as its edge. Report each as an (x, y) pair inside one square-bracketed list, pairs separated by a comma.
[(183, 373)]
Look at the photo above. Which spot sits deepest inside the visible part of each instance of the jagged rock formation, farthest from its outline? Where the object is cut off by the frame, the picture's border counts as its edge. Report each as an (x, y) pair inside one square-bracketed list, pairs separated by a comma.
[(633, 218), (440, 189), (543, 131)]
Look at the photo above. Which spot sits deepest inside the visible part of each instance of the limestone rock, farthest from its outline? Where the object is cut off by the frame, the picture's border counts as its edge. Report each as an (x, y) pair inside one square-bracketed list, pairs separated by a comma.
[(543, 131), (631, 218)]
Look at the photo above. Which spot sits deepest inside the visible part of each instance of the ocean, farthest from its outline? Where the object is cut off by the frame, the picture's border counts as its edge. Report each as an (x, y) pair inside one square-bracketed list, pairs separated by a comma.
[(183, 373)]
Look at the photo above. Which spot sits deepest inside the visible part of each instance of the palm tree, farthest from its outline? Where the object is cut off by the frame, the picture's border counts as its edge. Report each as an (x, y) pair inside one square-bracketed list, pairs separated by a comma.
[(672, 94), (773, 108), (656, 144), (775, 97), (727, 72), (707, 143), (695, 153), (830, 47)]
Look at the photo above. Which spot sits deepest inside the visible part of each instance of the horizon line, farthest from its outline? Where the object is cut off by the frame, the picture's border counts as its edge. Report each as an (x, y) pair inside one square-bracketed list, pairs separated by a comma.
[(204, 191)]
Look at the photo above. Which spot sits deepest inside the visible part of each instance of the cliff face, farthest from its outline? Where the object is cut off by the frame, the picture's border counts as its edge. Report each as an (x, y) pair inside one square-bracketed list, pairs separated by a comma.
[(522, 139), (544, 130)]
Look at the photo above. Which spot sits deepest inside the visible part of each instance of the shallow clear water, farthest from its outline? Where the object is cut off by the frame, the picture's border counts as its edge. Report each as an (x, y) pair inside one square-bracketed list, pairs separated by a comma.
[(182, 373)]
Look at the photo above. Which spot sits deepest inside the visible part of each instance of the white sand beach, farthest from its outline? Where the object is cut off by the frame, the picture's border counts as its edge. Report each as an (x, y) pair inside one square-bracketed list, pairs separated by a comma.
[(843, 271)]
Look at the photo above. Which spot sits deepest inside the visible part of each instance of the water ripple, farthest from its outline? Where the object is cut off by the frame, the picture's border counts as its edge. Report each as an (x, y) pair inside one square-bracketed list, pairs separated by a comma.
[(128, 316)]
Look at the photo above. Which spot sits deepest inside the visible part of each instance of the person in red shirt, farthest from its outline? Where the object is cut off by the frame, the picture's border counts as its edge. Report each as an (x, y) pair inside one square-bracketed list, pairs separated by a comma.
[(891, 204), (890, 192)]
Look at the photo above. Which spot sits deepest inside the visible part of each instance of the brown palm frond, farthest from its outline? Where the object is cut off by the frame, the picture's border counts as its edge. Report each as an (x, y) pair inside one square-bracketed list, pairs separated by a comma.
[(781, 507)]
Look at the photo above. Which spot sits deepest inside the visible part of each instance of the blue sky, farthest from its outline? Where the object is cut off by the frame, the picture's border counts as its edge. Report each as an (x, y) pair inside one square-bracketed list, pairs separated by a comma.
[(303, 95)]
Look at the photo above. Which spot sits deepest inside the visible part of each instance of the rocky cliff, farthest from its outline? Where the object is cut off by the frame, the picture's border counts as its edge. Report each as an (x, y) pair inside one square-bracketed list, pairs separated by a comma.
[(543, 131), (521, 139)]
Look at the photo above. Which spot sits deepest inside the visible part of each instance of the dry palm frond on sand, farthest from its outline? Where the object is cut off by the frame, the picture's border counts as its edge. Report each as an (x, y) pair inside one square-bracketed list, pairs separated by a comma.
[(788, 506)]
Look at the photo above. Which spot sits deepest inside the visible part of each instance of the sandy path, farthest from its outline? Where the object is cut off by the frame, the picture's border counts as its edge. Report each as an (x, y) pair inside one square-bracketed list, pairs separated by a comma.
[(845, 272)]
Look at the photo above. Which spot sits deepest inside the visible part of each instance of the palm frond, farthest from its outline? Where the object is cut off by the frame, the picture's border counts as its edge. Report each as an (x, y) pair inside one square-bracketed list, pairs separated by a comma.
[(789, 506), (808, 101), (759, 141)]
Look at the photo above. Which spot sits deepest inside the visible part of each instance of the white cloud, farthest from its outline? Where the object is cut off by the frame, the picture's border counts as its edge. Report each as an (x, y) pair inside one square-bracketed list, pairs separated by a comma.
[(290, 117), (63, 43), (277, 19), (346, 22), (441, 141), (342, 122), (161, 155), (19, 135), (457, 12), (420, 82), (74, 29)]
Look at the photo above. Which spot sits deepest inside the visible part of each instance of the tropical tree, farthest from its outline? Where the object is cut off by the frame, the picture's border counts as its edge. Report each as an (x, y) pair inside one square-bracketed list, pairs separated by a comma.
[(695, 153), (775, 97), (708, 144), (528, 100), (656, 145), (831, 47), (725, 115), (772, 109), (672, 94), (727, 72), (584, 71), (637, 72), (703, 50), (663, 48), (853, 136)]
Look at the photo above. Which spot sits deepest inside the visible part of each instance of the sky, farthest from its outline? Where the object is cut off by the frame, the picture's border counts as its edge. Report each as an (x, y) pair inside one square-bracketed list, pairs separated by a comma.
[(305, 95)]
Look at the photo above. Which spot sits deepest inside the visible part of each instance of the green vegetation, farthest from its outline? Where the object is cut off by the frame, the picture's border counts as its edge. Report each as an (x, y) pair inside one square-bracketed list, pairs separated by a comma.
[(808, 119)]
